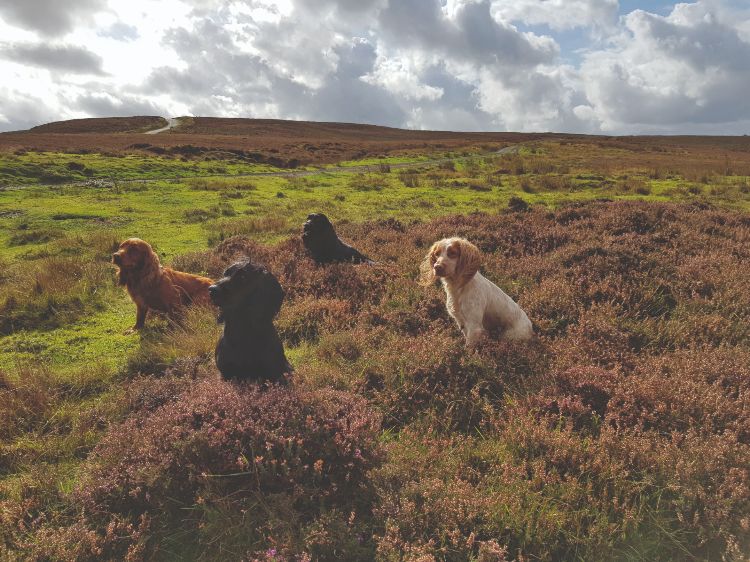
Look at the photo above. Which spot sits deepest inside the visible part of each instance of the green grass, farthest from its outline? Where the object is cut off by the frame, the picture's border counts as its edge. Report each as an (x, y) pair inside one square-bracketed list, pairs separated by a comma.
[(95, 339), (388, 160), (30, 168)]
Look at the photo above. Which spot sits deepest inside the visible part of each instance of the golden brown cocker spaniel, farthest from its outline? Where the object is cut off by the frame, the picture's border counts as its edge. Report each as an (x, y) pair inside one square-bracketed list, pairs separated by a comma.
[(152, 286)]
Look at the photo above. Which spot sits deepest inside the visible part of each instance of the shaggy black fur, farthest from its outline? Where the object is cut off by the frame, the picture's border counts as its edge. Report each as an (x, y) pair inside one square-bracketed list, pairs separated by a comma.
[(249, 297), (319, 237)]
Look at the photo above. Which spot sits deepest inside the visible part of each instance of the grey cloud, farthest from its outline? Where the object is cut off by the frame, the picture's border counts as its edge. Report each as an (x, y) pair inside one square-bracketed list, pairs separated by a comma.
[(559, 14), (19, 111), (349, 11), (106, 104), (473, 35), (688, 69), (62, 58), (355, 59), (49, 17), (707, 43), (221, 81), (314, 68)]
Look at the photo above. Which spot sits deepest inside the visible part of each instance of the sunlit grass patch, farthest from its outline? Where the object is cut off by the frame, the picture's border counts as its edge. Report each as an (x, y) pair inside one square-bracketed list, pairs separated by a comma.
[(32, 168)]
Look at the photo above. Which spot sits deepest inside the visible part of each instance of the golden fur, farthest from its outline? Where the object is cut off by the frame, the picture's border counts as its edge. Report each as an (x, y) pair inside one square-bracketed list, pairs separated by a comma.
[(469, 261), (152, 286)]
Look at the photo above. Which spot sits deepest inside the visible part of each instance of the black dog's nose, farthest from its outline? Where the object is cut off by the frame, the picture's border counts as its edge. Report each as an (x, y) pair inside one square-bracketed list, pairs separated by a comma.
[(213, 290)]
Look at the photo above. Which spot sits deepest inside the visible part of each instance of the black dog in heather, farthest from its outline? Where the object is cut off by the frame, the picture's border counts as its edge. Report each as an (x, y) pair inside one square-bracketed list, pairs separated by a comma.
[(320, 240), (249, 297)]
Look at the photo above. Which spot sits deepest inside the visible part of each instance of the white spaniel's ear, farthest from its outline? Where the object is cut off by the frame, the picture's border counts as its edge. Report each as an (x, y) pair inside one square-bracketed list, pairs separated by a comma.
[(426, 273), (469, 259)]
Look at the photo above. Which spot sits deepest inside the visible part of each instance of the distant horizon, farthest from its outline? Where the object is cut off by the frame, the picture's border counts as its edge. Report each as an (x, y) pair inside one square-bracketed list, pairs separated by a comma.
[(383, 126)]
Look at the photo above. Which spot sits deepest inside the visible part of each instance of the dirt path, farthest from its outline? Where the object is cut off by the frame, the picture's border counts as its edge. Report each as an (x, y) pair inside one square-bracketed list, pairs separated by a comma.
[(172, 122), (512, 149)]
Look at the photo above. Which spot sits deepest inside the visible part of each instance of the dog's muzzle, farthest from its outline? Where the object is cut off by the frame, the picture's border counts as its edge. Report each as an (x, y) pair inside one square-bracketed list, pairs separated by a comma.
[(116, 259), (439, 270)]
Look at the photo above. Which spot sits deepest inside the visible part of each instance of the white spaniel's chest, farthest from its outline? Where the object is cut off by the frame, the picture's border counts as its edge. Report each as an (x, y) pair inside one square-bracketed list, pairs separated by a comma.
[(466, 305), (454, 309)]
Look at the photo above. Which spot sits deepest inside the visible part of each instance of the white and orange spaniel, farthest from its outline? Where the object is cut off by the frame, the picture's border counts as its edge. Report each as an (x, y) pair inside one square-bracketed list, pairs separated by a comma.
[(474, 302)]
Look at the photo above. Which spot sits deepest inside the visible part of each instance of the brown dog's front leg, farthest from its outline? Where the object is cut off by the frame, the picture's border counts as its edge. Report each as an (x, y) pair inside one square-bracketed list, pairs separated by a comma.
[(140, 318)]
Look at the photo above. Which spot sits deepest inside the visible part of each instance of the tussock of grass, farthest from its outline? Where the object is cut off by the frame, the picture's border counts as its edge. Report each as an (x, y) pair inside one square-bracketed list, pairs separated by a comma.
[(53, 292)]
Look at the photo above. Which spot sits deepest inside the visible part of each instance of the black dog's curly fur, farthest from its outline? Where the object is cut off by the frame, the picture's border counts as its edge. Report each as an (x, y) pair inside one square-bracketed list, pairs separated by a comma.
[(320, 240), (249, 297)]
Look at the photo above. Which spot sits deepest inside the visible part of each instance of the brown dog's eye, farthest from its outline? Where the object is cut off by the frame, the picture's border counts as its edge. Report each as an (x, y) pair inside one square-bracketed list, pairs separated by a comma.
[(452, 252)]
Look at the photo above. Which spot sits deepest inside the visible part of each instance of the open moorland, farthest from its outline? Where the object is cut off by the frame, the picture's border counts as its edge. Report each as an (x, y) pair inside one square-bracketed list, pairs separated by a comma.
[(621, 433)]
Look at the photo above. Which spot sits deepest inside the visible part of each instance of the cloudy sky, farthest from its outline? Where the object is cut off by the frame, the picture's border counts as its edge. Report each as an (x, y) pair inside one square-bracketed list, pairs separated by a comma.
[(593, 66)]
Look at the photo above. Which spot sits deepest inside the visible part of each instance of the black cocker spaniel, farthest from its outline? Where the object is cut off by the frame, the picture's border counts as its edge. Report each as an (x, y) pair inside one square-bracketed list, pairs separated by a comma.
[(249, 297), (321, 241)]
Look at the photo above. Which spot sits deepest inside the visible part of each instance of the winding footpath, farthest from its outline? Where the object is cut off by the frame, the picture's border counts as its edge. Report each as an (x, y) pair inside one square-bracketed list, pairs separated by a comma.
[(172, 122)]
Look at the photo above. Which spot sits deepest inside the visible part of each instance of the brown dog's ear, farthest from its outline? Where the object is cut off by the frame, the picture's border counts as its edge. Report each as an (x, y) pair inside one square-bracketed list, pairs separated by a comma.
[(151, 265), (122, 276), (469, 259), (426, 273)]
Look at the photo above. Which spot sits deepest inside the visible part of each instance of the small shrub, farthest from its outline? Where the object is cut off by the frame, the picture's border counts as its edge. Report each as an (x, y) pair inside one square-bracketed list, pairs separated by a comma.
[(267, 463), (409, 178), (364, 182), (200, 215), (305, 319), (245, 226), (526, 186), (477, 186), (34, 236), (25, 400), (554, 183), (51, 293), (517, 205)]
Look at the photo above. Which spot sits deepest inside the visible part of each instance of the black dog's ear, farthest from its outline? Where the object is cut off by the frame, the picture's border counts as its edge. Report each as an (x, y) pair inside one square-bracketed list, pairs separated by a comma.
[(271, 295)]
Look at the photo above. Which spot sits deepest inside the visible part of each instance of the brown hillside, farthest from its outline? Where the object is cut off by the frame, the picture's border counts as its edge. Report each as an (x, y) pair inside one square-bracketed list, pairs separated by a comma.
[(293, 143), (102, 125)]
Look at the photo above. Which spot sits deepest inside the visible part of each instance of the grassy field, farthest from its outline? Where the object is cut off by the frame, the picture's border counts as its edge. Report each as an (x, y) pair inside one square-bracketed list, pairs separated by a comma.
[(621, 434)]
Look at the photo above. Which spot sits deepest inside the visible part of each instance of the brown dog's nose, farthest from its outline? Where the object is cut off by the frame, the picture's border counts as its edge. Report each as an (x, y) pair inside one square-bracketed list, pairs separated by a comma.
[(116, 258), (439, 270)]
